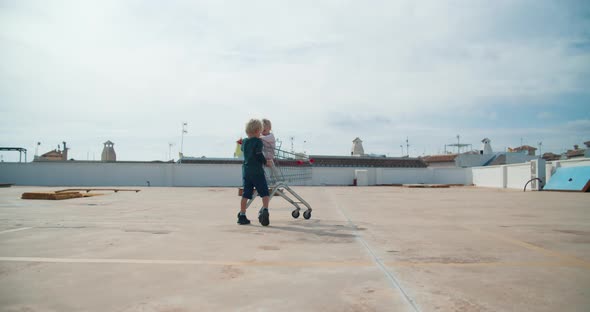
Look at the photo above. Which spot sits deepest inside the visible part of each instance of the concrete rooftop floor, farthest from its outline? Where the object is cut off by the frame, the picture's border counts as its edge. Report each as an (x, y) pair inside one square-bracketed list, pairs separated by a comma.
[(364, 249)]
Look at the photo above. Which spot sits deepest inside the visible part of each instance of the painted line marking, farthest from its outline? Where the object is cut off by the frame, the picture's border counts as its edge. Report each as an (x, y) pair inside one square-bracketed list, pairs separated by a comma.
[(15, 230), (192, 262), (529, 246), (286, 263), (395, 284), (486, 264)]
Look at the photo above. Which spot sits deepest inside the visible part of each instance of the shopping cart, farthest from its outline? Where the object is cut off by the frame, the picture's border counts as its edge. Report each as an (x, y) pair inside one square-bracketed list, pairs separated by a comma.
[(288, 169)]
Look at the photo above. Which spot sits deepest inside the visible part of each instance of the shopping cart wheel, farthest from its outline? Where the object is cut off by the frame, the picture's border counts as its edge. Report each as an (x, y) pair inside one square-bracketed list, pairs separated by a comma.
[(307, 214), (295, 213)]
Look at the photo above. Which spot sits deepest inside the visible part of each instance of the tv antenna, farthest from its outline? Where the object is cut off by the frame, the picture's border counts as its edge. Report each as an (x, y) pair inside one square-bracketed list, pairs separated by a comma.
[(458, 145), (184, 130)]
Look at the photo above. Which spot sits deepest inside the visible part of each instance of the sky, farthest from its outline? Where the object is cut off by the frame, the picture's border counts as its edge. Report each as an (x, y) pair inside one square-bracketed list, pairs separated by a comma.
[(324, 72)]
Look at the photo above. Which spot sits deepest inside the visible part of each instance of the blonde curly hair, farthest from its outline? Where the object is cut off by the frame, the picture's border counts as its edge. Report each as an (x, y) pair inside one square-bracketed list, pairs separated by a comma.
[(266, 124), (253, 126)]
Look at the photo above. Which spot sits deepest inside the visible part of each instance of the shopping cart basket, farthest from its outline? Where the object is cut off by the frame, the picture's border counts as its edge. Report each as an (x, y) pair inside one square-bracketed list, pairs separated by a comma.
[(288, 169)]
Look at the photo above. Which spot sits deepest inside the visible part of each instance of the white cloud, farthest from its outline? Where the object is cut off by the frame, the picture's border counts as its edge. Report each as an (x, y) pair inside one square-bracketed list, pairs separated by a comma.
[(91, 71), (581, 125)]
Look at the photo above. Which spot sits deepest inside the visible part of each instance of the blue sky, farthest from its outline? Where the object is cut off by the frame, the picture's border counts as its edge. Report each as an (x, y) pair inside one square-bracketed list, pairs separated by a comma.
[(324, 72)]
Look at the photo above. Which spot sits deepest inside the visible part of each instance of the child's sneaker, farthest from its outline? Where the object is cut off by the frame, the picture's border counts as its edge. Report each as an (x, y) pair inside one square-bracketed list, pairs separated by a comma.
[(263, 217), (242, 219)]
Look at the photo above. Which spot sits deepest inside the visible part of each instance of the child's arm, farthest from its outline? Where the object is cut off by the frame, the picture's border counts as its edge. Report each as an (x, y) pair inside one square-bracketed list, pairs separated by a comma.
[(258, 153)]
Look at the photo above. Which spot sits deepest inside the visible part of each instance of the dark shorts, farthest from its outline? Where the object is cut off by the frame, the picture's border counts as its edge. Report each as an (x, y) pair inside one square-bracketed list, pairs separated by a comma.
[(256, 181)]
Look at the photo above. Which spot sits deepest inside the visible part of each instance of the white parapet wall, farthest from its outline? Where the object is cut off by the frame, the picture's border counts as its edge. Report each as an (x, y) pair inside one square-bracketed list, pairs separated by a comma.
[(492, 176), (119, 174), (173, 174), (517, 175), (504, 176)]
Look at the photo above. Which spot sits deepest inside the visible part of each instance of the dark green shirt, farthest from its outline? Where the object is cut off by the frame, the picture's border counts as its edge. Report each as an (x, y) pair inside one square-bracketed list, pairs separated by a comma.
[(254, 160)]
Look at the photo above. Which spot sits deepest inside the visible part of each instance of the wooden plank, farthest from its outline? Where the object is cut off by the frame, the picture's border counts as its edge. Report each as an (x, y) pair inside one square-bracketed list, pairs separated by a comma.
[(97, 189), (427, 185), (51, 195)]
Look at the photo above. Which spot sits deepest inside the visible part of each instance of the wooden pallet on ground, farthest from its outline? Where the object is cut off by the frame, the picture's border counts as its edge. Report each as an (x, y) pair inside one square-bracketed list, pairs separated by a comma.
[(98, 189), (427, 185), (51, 195)]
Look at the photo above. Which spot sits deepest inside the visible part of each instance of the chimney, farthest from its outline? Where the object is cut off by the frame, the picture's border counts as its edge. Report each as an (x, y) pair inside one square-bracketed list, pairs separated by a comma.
[(65, 152)]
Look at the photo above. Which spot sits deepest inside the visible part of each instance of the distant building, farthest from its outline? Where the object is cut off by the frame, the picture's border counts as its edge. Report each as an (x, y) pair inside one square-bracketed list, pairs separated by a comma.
[(440, 160), (483, 157), (529, 150), (364, 161), (551, 157), (330, 161), (576, 152), (108, 152), (357, 147), (54, 155), (487, 147)]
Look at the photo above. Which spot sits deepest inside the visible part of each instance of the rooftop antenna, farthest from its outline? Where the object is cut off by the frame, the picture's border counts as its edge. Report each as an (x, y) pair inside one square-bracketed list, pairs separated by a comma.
[(458, 145), (540, 150), (170, 144), (184, 125), (407, 147), (279, 143), (292, 150)]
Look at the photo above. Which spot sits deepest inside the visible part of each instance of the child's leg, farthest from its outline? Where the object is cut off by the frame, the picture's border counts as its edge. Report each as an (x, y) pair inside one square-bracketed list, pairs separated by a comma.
[(247, 194), (262, 189), (243, 204)]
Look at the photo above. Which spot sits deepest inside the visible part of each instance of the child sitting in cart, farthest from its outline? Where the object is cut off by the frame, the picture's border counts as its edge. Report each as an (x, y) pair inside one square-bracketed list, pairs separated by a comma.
[(268, 139), (253, 173)]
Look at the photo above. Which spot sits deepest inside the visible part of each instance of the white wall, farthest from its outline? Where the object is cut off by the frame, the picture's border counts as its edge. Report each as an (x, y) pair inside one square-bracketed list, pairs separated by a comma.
[(119, 174), (469, 160), (403, 176), (451, 176), (518, 175), (169, 174), (492, 176), (571, 163)]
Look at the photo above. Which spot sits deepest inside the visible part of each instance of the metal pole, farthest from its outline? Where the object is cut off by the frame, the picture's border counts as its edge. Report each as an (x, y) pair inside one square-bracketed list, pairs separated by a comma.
[(184, 124), (407, 147)]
